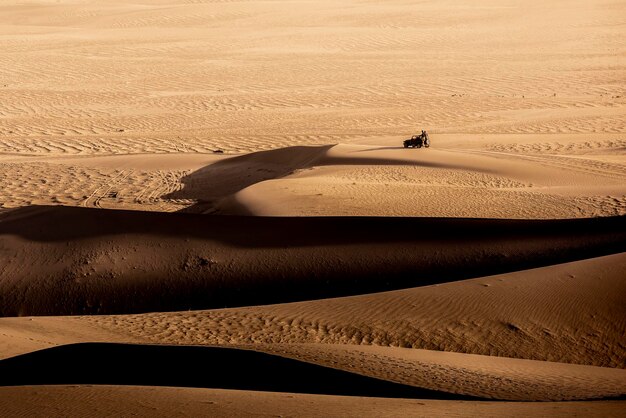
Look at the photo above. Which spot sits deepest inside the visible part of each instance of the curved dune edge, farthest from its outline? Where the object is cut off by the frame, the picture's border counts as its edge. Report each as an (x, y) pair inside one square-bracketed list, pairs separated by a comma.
[(318, 368), (194, 366), (466, 374), (387, 180), (315, 332), (538, 314), (38, 401), (571, 312), (541, 177)]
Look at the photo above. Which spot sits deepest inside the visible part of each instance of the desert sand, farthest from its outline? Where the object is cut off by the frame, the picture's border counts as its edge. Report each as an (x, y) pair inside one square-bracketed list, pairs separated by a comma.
[(206, 208)]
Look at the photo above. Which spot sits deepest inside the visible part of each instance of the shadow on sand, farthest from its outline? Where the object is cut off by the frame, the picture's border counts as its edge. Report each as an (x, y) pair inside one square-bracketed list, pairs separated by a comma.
[(94, 261), (63, 223), (193, 366), (210, 184)]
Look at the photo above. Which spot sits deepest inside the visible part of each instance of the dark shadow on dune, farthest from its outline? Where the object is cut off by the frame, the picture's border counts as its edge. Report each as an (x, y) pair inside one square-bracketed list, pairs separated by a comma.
[(91, 261), (210, 184), (192, 366), (62, 224), (216, 181)]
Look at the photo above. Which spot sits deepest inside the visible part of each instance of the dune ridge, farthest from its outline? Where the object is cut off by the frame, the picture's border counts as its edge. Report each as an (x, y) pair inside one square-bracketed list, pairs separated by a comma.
[(316, 332), (454, 180), (301, 368), (193, 366), (571, 312), (466, 176)]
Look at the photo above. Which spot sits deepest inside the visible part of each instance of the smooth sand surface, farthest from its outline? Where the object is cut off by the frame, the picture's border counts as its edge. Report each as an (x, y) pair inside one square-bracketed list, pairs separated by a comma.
[(491, 265), (41, 401)]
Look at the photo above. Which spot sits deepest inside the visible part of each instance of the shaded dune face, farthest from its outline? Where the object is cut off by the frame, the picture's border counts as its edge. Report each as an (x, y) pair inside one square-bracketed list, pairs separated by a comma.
[(568, 313), (316, 369), (128, 262), (211, 184), (186, 366)]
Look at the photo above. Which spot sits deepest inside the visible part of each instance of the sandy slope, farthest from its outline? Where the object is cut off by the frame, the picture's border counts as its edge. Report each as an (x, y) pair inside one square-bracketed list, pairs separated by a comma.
[(460, 176), (511, 315), (174, 402), (465, 181), (570, 312), (86, 261), (468, 374)]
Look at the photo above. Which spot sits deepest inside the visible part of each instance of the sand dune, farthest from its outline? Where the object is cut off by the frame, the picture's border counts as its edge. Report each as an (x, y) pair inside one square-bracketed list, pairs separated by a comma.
[(512, 315), (322, 369), (489, 266), (208, 367), (171, 77), (466, 374), (38, 401), (93, 261), (509, 315), (462, 176), (387, 180), (569, 313)]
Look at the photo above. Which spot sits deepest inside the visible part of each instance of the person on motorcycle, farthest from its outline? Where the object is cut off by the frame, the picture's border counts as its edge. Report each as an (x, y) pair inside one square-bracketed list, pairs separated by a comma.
[(426, 139)]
